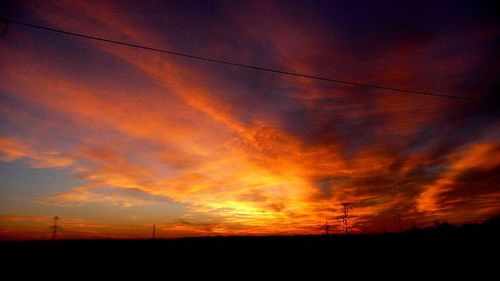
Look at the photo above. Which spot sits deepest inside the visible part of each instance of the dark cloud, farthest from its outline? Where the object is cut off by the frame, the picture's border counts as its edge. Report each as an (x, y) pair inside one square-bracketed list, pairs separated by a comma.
[(470, 186), (133, 193)]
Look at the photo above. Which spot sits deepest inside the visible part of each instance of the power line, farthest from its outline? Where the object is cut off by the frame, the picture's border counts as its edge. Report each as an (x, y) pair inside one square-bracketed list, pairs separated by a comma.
[(248, 66)]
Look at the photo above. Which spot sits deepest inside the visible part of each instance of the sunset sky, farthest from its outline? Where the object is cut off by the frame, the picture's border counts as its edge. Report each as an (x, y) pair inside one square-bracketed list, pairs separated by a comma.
[(114, 139)]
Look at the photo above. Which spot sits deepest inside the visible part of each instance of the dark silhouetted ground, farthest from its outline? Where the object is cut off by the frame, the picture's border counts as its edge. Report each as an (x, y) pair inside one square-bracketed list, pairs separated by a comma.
[(440, 247)]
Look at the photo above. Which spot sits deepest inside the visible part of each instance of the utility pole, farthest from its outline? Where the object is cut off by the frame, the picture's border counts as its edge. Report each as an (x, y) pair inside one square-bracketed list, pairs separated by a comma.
[(154, 232), (327, 228), (55, 227)]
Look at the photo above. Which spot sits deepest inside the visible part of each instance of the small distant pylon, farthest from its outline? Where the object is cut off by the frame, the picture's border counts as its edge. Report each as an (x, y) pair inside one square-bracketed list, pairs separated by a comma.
[(154, 232), (55, 228), (327, 227), (400, 224)]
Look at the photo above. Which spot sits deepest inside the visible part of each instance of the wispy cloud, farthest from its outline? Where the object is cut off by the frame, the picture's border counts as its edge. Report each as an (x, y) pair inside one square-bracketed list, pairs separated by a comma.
[(12, 149)]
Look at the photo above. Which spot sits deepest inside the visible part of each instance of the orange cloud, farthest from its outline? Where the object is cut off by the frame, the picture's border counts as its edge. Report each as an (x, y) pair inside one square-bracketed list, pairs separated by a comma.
[(482, 156), (14, 149)]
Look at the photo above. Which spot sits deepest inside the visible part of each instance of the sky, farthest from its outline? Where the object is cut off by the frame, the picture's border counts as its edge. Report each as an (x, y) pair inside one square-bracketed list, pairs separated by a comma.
[(114, 139)]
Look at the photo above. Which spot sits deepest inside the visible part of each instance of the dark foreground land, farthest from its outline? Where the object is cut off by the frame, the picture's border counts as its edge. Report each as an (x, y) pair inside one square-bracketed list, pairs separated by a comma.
[(464, 246)]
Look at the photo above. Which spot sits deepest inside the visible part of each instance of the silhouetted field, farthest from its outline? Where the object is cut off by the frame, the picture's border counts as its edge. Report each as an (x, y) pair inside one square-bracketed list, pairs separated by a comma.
[(421, 247)]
